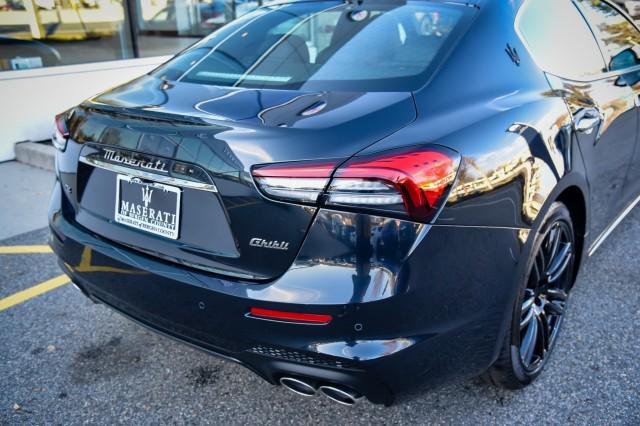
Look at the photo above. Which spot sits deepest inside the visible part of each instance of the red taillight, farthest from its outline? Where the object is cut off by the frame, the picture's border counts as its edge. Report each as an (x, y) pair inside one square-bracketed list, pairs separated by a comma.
[(302, 181), (300, 169), (289, 316), (409, 182), (60, 132)]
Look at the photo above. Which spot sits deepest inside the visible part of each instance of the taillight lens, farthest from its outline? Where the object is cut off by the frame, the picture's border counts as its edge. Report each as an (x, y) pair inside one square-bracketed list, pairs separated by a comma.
[(409, 182), (301, 182), (60, 132)]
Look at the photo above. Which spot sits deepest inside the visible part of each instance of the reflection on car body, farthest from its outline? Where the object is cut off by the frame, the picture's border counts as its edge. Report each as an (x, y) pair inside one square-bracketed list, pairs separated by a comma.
[(436, 195)]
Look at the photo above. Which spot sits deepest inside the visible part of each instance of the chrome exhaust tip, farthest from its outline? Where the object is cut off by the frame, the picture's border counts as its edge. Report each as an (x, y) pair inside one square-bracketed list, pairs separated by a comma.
[(344, 396), (298, 386)]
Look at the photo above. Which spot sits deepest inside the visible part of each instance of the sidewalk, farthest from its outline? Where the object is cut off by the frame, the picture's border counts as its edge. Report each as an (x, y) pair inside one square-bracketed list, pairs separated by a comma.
[(24, 198)]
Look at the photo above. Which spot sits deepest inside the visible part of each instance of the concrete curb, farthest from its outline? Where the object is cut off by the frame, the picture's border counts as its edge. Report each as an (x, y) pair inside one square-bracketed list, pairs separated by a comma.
[(37, 154)]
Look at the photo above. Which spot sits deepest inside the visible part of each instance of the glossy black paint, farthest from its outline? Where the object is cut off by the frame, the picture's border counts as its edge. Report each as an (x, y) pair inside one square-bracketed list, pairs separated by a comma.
[(176, 122), (412, 302)]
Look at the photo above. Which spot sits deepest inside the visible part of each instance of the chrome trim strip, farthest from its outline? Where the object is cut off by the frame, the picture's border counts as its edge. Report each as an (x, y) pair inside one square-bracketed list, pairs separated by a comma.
[(183, 183), (596, 244)]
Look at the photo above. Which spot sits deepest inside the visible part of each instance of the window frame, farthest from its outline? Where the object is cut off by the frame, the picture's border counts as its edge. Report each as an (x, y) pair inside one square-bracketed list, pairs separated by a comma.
[(605, 52), (595, 77), (523, 39)]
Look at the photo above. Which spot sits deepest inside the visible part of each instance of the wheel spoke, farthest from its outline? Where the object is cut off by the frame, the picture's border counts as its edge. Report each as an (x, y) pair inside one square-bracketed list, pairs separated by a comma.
[(554, 308), (528, 316), (543, 330), (559, 263), (529, 343), (526, 305), (557, 294), (536, 272), (542, 264), (554, 242)]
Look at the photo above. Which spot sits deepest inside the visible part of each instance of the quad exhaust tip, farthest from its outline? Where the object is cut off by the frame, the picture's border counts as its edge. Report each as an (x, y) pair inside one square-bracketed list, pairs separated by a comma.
[(298, 386), (339, 394)]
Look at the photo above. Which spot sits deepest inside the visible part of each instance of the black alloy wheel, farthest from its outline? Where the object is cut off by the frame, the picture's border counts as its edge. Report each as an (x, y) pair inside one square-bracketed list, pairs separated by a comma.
[(541, 305), (546, 295)]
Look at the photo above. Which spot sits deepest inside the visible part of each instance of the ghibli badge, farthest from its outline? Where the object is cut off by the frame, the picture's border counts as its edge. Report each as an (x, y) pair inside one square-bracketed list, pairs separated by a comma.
[(277, 245)]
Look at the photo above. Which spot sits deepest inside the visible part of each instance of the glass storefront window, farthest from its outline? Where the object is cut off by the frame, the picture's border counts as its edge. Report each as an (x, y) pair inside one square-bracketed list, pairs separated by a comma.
[(168, 26), (42, 33)]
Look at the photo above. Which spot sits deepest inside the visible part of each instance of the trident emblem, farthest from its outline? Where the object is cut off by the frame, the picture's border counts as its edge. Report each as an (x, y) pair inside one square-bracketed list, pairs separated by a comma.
[(146, 195)]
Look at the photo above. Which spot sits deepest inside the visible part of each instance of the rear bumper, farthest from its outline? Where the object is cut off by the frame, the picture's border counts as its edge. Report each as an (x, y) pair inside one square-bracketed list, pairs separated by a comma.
[(439, 311)]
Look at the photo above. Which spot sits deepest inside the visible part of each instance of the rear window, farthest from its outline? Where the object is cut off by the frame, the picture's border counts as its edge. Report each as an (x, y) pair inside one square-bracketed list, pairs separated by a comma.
[(389, 46)]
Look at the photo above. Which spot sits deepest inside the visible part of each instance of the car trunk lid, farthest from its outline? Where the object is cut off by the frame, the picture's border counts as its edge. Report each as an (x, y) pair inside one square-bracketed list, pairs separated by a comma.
[(151, 137)]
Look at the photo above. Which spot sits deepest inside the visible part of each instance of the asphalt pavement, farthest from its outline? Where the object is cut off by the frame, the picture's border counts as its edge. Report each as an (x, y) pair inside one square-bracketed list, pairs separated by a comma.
[(65, 360)]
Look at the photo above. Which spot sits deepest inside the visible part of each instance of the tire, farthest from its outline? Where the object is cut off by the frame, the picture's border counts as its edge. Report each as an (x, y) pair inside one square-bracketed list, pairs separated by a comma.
[(540, 305)]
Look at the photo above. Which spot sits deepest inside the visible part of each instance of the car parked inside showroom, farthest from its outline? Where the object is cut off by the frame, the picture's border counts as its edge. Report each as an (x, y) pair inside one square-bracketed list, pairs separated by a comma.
[(358, 198)]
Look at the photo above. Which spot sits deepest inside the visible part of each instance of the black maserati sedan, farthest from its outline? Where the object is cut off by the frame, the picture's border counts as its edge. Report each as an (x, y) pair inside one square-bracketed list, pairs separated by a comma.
[(352, 198)]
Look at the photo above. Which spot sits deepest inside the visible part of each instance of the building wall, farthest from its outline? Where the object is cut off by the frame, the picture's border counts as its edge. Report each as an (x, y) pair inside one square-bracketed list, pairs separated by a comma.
[(29, 99), (55, 54)]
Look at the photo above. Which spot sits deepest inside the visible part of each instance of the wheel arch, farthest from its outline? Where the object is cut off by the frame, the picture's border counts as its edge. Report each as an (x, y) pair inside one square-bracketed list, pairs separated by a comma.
[(575, 200), (572, 191)]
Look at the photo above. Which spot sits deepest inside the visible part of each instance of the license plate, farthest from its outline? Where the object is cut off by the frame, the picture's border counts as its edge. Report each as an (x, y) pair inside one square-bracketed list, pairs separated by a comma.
[(149, 206)]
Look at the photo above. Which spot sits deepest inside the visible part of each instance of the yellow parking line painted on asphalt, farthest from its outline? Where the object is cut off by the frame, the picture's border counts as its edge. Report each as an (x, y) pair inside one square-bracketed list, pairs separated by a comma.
[(25, 249), (36, 290)]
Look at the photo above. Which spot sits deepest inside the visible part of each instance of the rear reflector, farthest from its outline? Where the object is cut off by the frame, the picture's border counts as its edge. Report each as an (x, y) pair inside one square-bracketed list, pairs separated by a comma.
[(289, 316)]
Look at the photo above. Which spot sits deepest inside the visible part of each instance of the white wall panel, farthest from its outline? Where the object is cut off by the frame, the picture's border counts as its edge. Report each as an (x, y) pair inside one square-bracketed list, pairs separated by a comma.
[(29, 99)]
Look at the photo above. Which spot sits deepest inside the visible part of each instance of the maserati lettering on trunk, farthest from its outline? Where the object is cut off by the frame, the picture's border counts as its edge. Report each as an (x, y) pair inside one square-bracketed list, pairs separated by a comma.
[(122, 158)]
